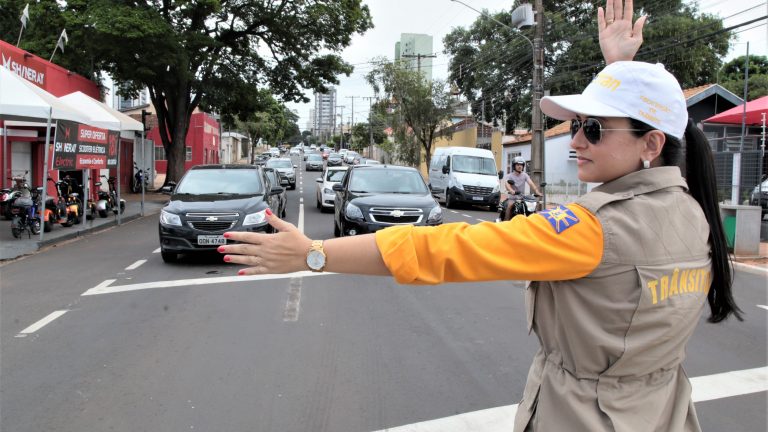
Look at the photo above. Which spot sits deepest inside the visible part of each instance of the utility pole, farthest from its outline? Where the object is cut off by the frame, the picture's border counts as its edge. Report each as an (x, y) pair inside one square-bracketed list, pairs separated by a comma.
[(352, 122), (537, 127), (418, 58), (370, 124), (341, 141)]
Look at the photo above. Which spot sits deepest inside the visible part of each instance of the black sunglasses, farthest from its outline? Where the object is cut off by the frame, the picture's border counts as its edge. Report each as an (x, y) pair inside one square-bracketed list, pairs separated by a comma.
[(593, 130)]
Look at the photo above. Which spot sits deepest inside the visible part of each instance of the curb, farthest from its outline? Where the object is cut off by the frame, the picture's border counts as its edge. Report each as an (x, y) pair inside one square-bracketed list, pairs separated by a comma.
[(749, 268), (86, 231)]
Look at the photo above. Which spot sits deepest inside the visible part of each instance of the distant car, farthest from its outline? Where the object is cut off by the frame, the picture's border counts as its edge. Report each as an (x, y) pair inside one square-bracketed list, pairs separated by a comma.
[(334, 159), (349, 158), (370, 162), (314, 162), (374, 197), (324, 193), (210, 200), (294, 151), (760, 197), (261, 159), (286, 168), (279, 199)]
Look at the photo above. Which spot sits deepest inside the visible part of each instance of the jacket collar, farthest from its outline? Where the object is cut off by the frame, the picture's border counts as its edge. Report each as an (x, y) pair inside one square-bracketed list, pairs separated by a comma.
[(645, 181)]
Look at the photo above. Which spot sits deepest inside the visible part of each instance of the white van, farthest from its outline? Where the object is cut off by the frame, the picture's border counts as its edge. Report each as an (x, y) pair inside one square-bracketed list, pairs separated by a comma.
[(464, 175)]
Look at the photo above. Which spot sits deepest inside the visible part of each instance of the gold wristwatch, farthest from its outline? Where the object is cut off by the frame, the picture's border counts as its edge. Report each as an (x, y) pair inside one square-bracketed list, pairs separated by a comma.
[(316, 256)]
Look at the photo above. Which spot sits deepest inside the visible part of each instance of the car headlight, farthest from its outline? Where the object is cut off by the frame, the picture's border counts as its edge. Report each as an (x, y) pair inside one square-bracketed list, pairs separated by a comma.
[(255, 218), (168, 218), (458, 185), (328, 191), (496, 188), (435, 214), (353, 212)]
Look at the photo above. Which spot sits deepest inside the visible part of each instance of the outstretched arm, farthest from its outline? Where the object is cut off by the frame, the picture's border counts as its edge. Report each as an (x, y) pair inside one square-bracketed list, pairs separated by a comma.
[(619, 39)]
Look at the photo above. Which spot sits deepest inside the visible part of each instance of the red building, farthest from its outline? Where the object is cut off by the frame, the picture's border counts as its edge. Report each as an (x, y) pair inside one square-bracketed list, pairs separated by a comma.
[(203, 142)]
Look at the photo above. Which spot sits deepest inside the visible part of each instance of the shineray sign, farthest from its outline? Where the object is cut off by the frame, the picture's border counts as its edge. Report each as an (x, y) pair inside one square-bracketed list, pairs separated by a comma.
[(78, 146), (30, 68)]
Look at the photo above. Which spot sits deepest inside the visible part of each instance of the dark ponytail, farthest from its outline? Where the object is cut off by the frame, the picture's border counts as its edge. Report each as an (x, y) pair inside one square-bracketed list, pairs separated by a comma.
[(699, 169), (700, 175)]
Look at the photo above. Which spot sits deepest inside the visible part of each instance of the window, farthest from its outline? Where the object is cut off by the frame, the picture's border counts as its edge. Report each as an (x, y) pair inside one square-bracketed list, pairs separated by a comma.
[(510, 157), (160, 153), (189, 153)]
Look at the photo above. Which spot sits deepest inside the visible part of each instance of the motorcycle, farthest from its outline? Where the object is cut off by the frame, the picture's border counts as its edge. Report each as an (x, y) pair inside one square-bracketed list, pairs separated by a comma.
[(66, 190), (106, 201), (24, 213), (525, 205), (7, 196), (139, 178), (54, 211)]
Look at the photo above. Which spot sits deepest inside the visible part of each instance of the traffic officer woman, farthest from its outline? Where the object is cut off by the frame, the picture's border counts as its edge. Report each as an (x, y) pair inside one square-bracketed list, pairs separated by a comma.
[(620, 277)]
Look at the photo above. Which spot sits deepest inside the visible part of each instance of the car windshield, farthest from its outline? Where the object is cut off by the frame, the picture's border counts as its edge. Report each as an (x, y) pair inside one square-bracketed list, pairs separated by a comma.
[(334, 156), (474, 165), (387, 181), (335, 175), (314, 157), (279, 163), (221, 182)]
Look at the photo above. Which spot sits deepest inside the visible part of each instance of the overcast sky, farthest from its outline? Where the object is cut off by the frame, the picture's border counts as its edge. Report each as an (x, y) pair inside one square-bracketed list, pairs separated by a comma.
[(438, 17)]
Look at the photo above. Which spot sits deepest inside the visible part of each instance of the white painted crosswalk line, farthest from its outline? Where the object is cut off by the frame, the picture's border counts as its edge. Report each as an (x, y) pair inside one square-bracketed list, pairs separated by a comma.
[(42, 323), (705, 388), (136, 264)]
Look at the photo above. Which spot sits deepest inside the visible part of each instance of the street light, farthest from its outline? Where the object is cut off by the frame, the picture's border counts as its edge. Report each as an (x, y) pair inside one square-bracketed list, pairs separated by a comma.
[(537, 131)]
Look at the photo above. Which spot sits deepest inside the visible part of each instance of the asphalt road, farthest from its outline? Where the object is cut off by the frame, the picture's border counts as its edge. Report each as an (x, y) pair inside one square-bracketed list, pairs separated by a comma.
[(146, 346)]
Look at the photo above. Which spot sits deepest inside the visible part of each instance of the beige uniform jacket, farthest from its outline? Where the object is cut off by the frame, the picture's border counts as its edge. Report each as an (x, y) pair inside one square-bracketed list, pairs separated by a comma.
[(612, 343), (629, 271)]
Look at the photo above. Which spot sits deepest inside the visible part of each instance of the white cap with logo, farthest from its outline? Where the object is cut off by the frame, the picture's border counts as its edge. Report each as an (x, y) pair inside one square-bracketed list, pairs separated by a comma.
[(641, 91)]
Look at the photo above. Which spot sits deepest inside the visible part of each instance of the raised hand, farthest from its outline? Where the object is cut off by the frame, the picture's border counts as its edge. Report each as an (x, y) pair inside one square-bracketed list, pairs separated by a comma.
[(619, 38)]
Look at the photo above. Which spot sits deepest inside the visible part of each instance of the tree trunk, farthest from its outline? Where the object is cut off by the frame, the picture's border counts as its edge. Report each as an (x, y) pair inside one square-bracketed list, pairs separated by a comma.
[(177, 153)]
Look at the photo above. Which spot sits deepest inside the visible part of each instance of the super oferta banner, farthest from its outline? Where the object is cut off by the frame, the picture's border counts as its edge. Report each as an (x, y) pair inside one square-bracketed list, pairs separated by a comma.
[(79, 146)]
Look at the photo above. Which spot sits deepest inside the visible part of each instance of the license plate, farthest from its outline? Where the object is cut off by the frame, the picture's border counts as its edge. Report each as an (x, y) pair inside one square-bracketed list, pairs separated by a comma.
[(209, 240), (477, 198)]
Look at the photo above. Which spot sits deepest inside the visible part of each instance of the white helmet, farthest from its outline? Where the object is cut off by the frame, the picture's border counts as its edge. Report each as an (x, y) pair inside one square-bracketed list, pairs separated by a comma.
[(518, 160)]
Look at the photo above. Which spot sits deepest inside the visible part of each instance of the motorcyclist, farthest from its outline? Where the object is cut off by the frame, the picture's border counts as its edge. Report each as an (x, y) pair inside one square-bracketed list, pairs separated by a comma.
[(518, 178)]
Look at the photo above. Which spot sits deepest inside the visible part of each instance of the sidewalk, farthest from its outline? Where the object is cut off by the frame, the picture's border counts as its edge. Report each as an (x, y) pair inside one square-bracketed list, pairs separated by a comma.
[(13, 248)]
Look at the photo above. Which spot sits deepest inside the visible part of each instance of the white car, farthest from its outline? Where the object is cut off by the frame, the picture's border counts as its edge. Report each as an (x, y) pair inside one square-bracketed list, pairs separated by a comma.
[(294, 152), (325, 194)]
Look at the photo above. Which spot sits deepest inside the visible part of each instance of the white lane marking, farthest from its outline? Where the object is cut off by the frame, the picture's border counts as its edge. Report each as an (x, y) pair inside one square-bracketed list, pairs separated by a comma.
[(156, 251), (135, 265), (466, 215), (763, 306), (106, 289), (42, 323), (705, 388), (301, 218), (293, 304), (301, 200)]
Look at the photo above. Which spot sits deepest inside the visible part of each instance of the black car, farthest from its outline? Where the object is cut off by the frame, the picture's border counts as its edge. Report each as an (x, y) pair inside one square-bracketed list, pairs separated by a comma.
[(314, 162), (277, 200), (210, 200), (372, 197)]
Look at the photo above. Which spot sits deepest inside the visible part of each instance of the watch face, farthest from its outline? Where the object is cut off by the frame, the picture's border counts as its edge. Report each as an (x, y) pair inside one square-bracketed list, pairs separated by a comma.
[(315, 260)]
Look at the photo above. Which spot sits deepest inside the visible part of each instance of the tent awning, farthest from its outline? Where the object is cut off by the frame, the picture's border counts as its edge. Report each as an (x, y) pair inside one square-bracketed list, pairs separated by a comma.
[(99, 116), (24, 101), (754, 110)]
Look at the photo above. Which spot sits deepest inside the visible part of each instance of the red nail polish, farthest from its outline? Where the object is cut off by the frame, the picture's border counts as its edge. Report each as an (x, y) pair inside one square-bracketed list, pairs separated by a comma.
[(241, 272), (220, 249), (227, 258), (226, 235), (269, 212)]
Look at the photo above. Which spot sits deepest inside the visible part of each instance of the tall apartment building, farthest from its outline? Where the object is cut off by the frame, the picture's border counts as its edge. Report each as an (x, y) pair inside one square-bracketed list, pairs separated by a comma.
[(324, 113), (311, 120), (121, 103), (410, 47)]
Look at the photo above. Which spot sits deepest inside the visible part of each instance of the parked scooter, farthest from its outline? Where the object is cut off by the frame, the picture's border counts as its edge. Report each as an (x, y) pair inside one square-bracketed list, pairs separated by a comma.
[(67, 189), (24, 214), (105, 202), (138, 178), (9, 195)]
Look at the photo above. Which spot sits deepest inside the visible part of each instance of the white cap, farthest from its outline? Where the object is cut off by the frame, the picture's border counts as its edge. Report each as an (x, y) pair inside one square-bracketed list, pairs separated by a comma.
[(641, 91)]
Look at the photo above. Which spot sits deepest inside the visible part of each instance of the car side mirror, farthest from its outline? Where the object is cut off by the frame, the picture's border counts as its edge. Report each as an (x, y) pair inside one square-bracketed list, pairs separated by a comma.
[(169, 188), (501, 174), (277, 190), (295, 166), (338, 187), (446, 169), (319, 180)]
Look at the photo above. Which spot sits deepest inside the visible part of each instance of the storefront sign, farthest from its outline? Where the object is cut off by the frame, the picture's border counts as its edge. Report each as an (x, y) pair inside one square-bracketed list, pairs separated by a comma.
[(27, 67), (79, 146)]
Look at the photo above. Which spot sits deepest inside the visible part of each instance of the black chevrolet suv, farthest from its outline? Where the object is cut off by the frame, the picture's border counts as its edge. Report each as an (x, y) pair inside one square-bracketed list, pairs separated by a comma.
[(372, 197), (210, 200)]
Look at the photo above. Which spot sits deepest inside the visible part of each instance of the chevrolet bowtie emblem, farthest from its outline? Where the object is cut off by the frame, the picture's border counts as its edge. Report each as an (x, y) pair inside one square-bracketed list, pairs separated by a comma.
[(397, 213), (211, 218)]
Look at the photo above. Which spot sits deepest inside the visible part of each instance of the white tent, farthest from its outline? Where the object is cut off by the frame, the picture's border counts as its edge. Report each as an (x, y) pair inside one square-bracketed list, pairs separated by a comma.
[(24, 101)]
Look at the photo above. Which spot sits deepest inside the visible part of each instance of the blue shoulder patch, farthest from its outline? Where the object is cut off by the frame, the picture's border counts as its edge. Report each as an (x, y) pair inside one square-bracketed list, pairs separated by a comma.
[(561, 218)]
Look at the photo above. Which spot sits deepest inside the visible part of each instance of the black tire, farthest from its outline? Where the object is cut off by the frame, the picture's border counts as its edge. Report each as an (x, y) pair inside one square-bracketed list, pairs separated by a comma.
[(319, 205), (102, 213), (336, 230), (15, 227), (169, 257), (34, 226), (282, 215), (48, 225), (448, 201)]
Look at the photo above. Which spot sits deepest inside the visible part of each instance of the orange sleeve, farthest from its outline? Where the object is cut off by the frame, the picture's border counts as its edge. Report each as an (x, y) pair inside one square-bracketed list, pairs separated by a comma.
[(564, 243)]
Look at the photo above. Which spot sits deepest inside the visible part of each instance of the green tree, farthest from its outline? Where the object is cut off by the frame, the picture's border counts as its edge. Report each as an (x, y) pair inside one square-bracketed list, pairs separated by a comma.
[(416, 108), (272, 123), (216, 55), (492, 65), (732, 76)]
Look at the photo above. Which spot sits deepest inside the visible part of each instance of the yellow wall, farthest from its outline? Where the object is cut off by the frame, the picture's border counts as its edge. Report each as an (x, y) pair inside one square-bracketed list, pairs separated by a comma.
[(463, 138)]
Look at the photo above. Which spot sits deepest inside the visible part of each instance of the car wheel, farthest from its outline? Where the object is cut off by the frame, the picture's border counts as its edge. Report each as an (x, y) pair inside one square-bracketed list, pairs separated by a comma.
[(318, 204), (336, 230), (169, 257), (282, 215), (448, 201)]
